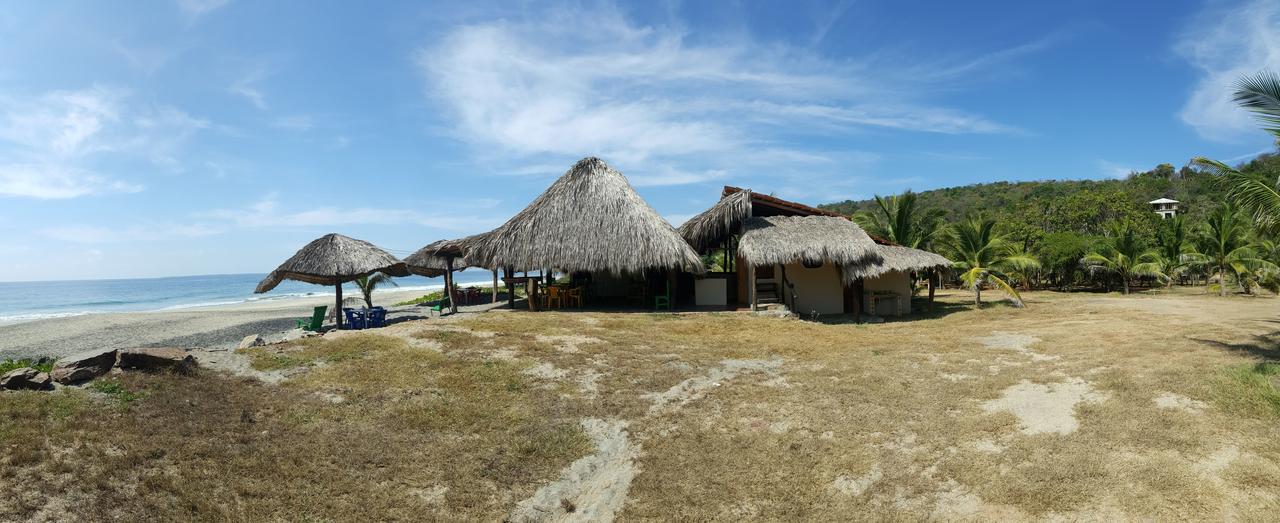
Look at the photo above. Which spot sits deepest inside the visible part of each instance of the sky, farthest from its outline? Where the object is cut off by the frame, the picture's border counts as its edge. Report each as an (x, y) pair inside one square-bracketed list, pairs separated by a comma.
[(180, 137)]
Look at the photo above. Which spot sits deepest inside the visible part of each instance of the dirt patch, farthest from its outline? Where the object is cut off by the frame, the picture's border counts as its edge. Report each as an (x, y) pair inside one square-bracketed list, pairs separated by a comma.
[(545, 371), (567, 344), (1047, 408), (1020, 343), (695, 388), (593, 488), (1170, 400), (855, 486)]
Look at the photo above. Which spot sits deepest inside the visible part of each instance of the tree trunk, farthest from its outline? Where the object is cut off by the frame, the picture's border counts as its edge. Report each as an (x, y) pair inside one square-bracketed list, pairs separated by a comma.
[(448, 285), (977, 295), (337, 312), (1125, 282), (1222, 281)]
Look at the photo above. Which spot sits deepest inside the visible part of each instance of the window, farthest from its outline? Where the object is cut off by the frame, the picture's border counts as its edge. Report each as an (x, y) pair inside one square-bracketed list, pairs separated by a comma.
[(811, 264)]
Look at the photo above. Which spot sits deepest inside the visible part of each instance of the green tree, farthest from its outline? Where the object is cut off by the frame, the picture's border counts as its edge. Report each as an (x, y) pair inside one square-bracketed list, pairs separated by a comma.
[(983, 257), (1126, 258), (1254, 192), (1060, 254), (368, 283), (1224, 249), (900, 220)]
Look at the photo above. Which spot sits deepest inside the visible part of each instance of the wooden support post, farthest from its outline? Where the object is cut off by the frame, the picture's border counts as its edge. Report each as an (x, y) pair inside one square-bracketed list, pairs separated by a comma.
[(857, 300), (751, 286), (448, 285), (337, 311), (494, 290), (786, 292), (509, 273), (932, 274), (673, 277)]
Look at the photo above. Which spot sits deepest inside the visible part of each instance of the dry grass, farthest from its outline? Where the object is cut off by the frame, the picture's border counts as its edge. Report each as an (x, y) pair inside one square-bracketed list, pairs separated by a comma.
[(463, 419)]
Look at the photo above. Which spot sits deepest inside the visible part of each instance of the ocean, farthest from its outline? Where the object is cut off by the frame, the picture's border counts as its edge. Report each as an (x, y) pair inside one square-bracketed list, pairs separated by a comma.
[(26, 301)]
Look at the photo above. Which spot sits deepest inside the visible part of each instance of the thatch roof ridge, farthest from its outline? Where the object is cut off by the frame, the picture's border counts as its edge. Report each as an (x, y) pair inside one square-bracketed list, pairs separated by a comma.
[(769, 240), (895, 258), (332, 259), (711, 226), (432, 260), (590, 219), (779, 202)]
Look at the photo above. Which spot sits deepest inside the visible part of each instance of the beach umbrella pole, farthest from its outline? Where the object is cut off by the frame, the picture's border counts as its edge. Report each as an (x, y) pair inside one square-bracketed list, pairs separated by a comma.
[(337, 311)]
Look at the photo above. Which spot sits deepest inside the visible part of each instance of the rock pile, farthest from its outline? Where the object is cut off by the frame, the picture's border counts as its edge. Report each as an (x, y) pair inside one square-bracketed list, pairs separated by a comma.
[(83, 367)]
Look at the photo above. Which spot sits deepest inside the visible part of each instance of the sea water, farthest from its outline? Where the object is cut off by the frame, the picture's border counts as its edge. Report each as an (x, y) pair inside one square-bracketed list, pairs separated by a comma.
[(26, 301)]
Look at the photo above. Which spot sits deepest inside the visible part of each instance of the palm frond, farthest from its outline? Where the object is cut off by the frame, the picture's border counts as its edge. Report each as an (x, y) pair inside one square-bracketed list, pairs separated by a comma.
[(1260, 93)]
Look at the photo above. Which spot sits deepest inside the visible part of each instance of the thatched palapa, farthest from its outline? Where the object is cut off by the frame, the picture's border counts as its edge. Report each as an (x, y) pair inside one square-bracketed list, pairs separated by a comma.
[(724, 219), (434, 259), (334, 259), (895, 258), (588, 220), (770, 240)]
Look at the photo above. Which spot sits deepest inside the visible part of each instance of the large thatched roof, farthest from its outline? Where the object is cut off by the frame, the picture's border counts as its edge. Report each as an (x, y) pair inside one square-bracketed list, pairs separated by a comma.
[(713, 225), (431, 261), (770, 240), (588, 220), (895, 258), (332, 259)]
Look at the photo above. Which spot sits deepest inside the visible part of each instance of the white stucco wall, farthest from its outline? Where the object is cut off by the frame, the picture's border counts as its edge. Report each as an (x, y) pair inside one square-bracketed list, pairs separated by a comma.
[(893, 281), (817, 289)]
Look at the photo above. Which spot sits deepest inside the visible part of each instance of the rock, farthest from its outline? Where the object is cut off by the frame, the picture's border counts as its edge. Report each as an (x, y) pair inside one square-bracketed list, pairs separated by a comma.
[(157, 358), (26, 378), (252, 340), (83, 366)]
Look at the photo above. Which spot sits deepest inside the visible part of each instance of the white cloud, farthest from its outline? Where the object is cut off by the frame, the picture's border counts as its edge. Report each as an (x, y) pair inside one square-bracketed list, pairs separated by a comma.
[(55, 182), (1114, 170), (298, 122), (588, 81), (198, 8), (51, 140), (266, 213), (93, 234), (1225, 44), (246, 86)]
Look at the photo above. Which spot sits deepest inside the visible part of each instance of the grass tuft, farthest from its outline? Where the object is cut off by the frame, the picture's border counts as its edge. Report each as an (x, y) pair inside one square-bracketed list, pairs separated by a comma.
[(40, 364), (1250, 390)]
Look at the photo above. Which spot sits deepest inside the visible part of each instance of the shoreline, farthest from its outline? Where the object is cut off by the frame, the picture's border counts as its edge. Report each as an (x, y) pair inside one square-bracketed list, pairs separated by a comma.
[(283, 299), (207, 327)]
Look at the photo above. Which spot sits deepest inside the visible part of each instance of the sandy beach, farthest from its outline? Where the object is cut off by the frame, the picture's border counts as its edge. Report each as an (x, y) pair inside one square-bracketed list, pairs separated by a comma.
[(204, 327)]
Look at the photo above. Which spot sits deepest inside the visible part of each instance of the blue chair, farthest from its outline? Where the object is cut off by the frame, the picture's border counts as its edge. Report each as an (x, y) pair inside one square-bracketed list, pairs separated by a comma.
[(377, 317), (355, 319)]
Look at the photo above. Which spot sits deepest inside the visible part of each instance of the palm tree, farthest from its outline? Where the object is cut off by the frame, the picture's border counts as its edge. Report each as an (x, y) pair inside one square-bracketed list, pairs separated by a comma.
[(1126, 258), (1225, 249), (1258, 195), (1174, 246), (368, 283), (983, 257), (898, 219)]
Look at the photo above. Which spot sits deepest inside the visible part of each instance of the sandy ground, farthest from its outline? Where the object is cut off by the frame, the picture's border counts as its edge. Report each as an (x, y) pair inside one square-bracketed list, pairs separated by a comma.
[(217, 327)]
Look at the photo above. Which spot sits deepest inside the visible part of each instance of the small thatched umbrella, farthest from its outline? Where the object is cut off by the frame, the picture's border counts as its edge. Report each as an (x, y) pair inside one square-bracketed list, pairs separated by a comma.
[(723, 219), (589, 220), (437, 259), (334, 259)]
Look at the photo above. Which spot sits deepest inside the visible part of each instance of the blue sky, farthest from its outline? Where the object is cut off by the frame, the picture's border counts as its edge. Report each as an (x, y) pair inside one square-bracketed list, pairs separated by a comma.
[(211, 136)]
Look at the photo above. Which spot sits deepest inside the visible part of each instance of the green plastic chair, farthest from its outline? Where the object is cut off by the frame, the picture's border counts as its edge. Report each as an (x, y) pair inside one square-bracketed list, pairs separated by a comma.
[(440, 305), (663, 301), (317, 319)]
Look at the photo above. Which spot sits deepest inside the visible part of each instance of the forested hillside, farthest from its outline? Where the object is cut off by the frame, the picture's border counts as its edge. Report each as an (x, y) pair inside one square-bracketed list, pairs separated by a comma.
[(1028, 210), (1062, 228)]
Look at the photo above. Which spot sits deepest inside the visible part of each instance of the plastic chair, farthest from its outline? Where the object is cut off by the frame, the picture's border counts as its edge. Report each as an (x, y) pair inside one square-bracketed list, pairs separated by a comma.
[(355, 319), (376, 317), (573, 297), (316, 321), (663, 301), (554, 300)]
